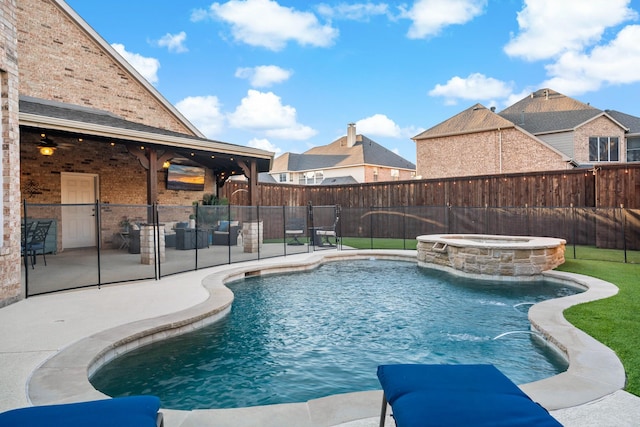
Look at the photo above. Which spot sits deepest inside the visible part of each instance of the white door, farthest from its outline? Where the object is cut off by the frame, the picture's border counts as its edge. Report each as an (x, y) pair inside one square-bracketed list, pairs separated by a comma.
[(78, 222)]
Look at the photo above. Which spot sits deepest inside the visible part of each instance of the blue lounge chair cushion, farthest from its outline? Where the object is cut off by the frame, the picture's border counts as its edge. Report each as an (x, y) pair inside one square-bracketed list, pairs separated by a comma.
[(458, 395), (134, 411)]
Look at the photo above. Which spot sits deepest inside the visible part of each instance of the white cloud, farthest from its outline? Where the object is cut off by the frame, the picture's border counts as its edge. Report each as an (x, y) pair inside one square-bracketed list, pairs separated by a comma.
[(260, 111), (615, 63), (264, 144), (355, 12), (551, 27), (204, 113), (475, 87), (148, 67), (379, 125), (431, 16), (267, 24), (263, 75), (174, 42)]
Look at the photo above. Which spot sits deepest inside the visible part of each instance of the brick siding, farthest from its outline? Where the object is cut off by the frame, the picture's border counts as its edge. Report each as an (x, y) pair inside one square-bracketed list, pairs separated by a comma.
[(10, 287), (484, 153), (60, 62)]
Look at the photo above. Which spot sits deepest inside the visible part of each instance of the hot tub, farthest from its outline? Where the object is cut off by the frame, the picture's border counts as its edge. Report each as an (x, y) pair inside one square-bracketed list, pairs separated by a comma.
[(481, 255)]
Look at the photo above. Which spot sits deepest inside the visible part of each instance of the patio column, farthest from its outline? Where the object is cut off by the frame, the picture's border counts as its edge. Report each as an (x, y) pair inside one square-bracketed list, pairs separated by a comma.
[(147, 246)]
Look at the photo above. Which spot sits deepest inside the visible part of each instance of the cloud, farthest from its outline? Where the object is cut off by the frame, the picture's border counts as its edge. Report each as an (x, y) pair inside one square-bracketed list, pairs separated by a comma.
[(264, 144), (265, 23), (614, 63), (354, 12), (263, 75), (431, 16), (260, 111), (475, 87), (379, 125), (204, 113), (147, 67), (550, 27), (174, 42)]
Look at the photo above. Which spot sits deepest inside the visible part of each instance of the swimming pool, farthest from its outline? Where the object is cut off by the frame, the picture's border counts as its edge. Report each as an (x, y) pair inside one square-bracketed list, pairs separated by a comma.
[(295, 337)]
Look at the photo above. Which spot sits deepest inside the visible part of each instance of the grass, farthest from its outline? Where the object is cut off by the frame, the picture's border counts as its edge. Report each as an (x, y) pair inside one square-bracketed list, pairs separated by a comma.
[(614, 321)]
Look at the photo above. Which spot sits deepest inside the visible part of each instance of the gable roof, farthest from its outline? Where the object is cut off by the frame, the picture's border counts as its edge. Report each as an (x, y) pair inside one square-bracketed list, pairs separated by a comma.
[(548, 111), (477, 118), (337, 154), (110, 51), (630, 122)]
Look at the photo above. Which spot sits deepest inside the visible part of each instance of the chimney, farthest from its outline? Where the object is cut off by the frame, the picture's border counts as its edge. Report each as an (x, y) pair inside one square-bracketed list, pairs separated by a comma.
[(351, 135)]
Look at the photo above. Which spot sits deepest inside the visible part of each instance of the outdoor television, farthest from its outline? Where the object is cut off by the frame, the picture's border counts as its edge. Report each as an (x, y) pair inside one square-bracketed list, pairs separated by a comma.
[(183, 177)]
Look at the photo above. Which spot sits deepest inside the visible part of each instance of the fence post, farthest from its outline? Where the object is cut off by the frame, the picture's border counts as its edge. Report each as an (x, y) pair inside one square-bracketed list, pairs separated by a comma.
[(404, 228), (96, 210), (371, 227), (624, 234), (25, 256), (573, 232), (156, 221)]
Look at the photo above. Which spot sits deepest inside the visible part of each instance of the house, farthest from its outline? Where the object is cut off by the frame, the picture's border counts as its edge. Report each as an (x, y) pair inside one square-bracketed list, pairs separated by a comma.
[(348, 160), (544, 131), (80, 124)]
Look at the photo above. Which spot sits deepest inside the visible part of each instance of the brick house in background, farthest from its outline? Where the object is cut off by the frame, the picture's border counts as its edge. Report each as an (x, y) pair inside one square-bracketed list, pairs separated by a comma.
[(544, 131), (80, 124), (348, 160)]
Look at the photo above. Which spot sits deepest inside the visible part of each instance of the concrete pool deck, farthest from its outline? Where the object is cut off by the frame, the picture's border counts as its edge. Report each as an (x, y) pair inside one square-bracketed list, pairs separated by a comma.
[(49, 343)]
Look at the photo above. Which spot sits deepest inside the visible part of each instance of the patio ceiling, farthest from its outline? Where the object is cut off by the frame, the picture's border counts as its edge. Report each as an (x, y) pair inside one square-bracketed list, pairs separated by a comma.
[(56, 118)]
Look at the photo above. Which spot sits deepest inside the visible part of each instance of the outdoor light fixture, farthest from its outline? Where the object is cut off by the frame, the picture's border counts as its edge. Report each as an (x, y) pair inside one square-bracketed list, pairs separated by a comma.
[(166, 164), (47, 146)]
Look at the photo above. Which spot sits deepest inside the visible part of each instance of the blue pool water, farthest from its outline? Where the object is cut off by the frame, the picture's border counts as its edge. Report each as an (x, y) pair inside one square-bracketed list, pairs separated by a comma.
[(295, 337)]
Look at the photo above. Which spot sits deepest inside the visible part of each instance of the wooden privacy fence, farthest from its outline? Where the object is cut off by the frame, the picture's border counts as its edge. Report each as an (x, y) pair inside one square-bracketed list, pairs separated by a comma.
[(602, 186)]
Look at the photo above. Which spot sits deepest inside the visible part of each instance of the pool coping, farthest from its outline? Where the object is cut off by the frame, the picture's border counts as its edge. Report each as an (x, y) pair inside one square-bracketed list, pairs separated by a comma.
[(594, 369)]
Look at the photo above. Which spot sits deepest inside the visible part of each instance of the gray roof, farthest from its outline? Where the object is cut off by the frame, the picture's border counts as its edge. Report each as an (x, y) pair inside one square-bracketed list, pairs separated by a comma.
[(364, 152), (630, 122), (339, 180), (477, 118), (537, 123)]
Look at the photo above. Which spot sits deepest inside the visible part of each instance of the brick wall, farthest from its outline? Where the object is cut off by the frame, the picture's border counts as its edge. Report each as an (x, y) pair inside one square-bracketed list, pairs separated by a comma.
[(60, 62), (10, 288), (122, 179), (484, 153), (602, 126)]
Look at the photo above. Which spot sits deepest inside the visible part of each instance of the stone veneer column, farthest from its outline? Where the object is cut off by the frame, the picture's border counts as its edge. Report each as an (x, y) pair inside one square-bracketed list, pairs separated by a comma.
[(147, 249), (252, 235)]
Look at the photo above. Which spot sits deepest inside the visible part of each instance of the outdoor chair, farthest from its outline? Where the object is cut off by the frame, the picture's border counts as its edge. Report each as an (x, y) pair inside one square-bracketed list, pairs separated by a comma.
[(294, 229), (457, 395), (225, 233), (131, 411), (36, 243), (326, 233)]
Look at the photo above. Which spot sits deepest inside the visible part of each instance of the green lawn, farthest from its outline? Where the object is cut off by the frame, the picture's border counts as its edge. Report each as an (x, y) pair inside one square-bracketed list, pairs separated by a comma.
[(614, 321)]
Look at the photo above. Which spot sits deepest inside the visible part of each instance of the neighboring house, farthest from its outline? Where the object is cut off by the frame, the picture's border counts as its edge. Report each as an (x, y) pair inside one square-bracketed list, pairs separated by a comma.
[(348, 160), (80, 124), (544, 131)]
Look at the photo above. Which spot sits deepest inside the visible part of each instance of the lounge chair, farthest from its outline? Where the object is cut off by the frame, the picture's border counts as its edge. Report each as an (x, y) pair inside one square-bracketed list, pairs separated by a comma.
[(326, 233), (457, 395), (133, 411)]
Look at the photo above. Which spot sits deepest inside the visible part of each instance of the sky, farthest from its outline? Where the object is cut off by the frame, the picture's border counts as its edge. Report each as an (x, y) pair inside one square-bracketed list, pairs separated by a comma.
[(289, 75)]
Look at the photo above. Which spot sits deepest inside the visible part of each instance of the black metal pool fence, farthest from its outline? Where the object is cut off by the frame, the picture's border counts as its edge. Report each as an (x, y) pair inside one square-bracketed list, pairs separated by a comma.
[(100, 243)]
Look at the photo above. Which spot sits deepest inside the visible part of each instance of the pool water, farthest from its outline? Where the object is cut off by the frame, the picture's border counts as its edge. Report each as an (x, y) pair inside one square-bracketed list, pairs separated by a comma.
[(296, 337)]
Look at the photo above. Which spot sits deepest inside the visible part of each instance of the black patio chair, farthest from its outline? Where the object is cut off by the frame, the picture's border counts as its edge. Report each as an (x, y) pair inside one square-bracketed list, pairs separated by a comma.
[(38, 241)]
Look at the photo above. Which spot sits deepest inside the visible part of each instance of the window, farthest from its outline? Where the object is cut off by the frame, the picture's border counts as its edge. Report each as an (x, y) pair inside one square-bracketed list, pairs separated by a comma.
[(633, 149), (603, 149), (395, 174), (282, 177), (375, 175), (310, 178)]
